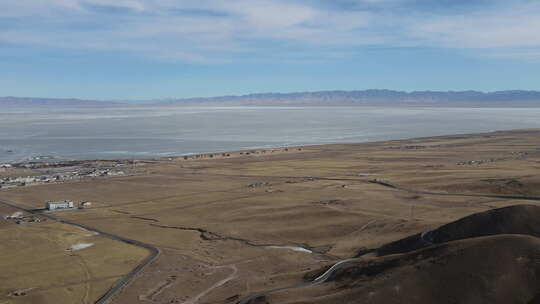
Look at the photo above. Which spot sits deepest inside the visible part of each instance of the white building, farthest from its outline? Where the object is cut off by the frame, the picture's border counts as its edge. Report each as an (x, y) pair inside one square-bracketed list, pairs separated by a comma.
[(59, 205)]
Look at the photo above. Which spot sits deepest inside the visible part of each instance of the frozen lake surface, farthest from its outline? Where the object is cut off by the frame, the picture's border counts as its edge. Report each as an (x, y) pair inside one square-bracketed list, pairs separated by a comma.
[(146, 131)]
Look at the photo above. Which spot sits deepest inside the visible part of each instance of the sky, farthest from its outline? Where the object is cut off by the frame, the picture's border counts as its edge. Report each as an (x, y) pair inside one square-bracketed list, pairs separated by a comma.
[(154, 49)]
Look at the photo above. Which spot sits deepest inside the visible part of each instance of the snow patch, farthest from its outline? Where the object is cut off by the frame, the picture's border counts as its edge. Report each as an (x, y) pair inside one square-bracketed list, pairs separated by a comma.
[(293, 248), (80, 246)]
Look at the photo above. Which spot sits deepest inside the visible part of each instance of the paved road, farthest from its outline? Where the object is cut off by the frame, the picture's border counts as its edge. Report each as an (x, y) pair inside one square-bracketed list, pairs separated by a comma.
[(321, 279), (425, 236), (154, 251), (318, 280)]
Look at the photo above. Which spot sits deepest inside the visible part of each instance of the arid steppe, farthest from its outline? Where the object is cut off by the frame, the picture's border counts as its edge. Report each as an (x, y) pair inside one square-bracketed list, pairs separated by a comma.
[(230, 225)]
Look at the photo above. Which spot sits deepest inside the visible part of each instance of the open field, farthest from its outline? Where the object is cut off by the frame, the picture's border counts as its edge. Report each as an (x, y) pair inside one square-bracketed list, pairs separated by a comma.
[(227, 225), (49, 262)]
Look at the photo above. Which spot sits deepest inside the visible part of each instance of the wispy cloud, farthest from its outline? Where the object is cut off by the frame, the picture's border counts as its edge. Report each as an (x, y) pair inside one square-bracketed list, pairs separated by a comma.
[(224, 30), (508, 27)]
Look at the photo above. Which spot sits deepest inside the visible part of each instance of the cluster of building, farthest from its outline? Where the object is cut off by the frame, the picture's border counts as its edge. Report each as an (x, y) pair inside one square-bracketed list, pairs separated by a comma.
[(242, 153), (257, 185), (21, 181), (103, 172), (515, 155), (35, 164), (29, 220), (21, 218), (477, 162), (408, 147)]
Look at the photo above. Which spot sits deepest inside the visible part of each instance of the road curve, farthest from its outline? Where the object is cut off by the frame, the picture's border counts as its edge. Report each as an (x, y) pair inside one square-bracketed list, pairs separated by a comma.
[(327, 274), (318, 280), (121, 283), (425, 236)]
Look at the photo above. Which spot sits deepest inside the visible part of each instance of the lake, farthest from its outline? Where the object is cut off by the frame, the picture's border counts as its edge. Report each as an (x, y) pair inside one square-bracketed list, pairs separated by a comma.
[(151, 131)]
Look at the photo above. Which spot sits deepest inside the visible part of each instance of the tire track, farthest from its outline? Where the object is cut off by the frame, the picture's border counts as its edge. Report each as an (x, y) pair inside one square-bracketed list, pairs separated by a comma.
[(218, 284)]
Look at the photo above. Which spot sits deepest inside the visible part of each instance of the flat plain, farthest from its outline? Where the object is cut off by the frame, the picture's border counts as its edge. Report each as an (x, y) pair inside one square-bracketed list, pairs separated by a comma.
[(235, 224)]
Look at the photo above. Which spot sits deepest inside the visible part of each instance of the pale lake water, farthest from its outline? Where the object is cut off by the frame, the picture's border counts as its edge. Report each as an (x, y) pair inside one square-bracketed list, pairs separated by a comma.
[(146, 131)]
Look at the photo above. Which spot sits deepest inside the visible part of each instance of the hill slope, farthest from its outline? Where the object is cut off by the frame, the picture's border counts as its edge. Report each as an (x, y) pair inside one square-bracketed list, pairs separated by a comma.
[(518, 219), (494, 269), (488, 257)]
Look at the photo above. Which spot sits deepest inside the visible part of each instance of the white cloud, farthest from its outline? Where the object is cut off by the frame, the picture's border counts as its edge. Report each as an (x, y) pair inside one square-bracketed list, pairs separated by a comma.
[(263, 14), (130, 4), (496, 29), (22, 8), (217, 30)]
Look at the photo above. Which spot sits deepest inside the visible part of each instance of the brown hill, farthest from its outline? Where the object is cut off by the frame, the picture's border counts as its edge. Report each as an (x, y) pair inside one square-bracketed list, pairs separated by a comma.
[(518, 219), (493, 269), (488, 257)]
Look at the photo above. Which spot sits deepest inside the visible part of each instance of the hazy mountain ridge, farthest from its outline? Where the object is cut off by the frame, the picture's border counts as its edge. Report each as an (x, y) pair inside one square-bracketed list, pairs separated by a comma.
[(379, 97), (512, 98), (36, 101)]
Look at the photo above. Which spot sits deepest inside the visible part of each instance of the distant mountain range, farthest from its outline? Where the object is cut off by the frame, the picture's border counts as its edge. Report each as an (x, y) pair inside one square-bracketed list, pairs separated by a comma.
[(56, 102), (515, 98)]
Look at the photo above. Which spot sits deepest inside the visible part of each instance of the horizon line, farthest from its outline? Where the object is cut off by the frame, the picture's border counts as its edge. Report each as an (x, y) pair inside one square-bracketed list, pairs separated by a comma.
[(164, 99)]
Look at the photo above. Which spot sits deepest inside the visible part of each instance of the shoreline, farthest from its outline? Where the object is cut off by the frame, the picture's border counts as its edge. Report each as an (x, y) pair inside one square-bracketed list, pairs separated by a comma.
[(247, 152), (338, 201)]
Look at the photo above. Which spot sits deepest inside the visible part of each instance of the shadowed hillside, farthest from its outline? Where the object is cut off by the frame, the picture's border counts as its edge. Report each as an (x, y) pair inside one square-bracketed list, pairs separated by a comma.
[(519, 219), (493, 269), (488, 257)]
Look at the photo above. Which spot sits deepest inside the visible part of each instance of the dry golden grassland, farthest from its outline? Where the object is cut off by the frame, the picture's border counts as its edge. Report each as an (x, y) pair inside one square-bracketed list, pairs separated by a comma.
[(214, 229), (36, 265)]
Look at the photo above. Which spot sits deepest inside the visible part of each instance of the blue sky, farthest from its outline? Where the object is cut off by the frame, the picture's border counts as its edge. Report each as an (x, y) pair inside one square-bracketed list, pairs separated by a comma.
[(147, 49)]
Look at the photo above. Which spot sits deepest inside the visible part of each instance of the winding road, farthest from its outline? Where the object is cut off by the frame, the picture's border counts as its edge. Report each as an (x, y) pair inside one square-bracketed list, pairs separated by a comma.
[(121, 283), (155, 252), (425, 236), (318, 280)]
